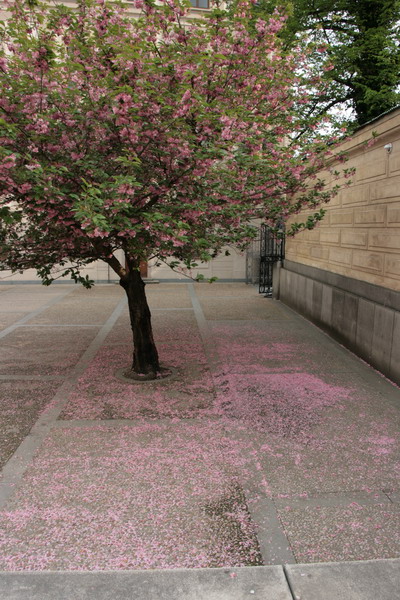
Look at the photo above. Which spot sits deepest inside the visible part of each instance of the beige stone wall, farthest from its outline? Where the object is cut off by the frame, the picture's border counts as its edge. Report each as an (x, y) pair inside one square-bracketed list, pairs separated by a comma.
[(195, 12), (360, 234), (232, 267)]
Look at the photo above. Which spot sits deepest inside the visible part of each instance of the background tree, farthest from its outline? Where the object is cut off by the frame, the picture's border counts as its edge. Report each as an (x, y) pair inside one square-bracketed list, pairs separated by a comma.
[(362, 41), (152, 136)]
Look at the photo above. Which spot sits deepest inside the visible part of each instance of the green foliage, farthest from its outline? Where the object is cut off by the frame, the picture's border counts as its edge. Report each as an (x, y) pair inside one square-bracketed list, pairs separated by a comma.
[(362, 39)]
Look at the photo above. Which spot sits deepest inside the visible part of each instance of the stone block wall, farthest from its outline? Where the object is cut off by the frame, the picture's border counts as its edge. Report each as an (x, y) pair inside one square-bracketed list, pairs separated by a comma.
[(345, 274), (362, 316), (360, 234)]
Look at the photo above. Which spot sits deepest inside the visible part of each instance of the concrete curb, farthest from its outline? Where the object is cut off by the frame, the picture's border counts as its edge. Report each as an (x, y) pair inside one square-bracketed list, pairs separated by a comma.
[(361, 580), (179, 584)]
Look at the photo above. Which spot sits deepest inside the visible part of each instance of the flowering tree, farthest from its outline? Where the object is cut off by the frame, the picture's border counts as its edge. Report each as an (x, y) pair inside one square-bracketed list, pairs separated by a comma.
[(159, 136)]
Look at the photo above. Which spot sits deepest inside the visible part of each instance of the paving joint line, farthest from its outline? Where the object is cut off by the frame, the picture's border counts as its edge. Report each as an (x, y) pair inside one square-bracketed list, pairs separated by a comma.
[(171, 309), (13, 471), (339, 499), (34, 313), (289, 583), (206, 335), (273, 543), (57, 325), (394, 496), (65, 423), (33, 377)]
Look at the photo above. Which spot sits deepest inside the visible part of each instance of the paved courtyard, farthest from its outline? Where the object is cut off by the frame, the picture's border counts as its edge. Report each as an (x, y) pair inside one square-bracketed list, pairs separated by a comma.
[(271, 444)]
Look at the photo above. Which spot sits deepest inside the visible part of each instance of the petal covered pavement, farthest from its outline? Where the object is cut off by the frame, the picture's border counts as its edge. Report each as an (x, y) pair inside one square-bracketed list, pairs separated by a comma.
[(270, 443)]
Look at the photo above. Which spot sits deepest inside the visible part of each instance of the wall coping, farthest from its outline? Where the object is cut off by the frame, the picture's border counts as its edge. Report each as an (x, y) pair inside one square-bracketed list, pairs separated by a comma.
[(384, 126)]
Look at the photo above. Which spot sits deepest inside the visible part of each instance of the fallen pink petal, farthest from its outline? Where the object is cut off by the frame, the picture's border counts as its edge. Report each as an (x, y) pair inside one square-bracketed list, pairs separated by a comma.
[(173, 473)]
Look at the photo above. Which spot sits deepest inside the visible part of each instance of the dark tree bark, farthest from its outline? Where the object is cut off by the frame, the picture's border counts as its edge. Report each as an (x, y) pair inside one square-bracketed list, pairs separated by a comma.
[(145, 364)]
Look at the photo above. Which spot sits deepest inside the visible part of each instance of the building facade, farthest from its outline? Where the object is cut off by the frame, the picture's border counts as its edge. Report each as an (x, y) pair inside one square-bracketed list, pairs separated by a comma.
[(345, 274)]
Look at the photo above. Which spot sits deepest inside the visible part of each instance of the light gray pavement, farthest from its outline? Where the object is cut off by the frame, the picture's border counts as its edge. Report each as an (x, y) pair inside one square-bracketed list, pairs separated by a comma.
[(267, 467)]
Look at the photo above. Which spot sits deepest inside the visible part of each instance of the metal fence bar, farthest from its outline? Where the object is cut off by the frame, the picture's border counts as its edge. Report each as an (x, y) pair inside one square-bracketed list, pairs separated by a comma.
[(272, 250)]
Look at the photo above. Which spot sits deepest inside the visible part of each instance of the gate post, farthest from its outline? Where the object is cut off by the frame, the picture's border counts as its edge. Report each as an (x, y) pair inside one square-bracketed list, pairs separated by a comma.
[(276, 275)]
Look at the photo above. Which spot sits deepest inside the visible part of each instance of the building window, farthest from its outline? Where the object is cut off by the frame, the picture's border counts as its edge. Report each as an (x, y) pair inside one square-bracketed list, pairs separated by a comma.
[(200, 3)]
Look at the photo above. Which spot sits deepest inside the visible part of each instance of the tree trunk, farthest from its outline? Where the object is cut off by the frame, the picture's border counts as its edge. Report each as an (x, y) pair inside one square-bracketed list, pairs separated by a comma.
[(145, 363)]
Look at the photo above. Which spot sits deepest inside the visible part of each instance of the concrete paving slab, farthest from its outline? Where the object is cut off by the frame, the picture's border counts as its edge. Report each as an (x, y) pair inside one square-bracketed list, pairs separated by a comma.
[(27, 298), (282, 356), (44, 304), (295, 469), (287, 405), (168, 325), (101, 395), (324, 534), (261, 330), (318, 433), (144, 496), (7, 318), (43, 351), (20, 461), (369, 580), (262, 583), (216, 309), (321, 448), (226, 290), (20, 405), (294, 344), (168, 296), (92, 309)]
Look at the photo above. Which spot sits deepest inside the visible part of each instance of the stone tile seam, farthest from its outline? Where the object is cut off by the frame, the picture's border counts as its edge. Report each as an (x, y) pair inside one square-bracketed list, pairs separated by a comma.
[(191, 309), (33, 377), (287, 536), (16, 466), (205, 334), (35, 313), (56, 325), (288, 582), (77, 423), (394, 496), (276, 546), (337, 500)]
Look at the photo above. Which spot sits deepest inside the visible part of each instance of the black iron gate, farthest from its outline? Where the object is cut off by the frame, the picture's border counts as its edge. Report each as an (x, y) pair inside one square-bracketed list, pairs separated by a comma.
[(272, 250)]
